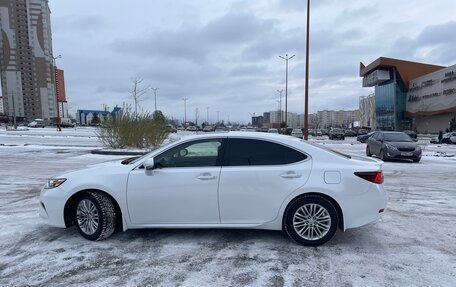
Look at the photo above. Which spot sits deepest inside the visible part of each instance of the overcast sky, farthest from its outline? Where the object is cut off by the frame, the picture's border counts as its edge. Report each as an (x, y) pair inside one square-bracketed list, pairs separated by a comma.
[(224, 54)]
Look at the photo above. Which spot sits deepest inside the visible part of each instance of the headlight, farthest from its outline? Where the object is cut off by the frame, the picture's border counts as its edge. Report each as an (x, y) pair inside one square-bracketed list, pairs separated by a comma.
[(391, 147), (54, 182)]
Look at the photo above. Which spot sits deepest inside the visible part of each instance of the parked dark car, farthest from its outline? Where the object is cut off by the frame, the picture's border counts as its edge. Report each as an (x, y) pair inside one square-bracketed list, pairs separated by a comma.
[(362, 132), (449, 138), (336, 133), (363, 137), (171, 129), (350, 133), (411, 134), (393, 145)]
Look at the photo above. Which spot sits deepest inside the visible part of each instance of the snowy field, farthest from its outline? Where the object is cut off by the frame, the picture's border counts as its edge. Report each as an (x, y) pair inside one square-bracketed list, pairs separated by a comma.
[(414, 244)]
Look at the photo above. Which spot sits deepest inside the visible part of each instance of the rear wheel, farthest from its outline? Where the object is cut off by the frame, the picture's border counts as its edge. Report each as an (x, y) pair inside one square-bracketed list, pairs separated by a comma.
[(311, 220), (95, 216), (368, 153)]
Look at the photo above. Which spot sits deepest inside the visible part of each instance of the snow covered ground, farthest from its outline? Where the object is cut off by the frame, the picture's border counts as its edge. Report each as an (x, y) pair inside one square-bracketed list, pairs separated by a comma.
[(414, 244)]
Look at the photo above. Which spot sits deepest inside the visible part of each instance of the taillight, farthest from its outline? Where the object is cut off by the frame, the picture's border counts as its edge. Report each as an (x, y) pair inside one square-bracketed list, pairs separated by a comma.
[(372, 176)]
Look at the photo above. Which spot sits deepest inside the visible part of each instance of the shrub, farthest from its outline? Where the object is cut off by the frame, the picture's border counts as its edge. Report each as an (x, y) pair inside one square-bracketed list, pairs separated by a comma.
[(126, 130)]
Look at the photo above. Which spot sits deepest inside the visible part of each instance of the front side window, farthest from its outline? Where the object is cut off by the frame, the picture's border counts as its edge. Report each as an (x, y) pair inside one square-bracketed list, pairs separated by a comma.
[(192, 154), (246, 152)]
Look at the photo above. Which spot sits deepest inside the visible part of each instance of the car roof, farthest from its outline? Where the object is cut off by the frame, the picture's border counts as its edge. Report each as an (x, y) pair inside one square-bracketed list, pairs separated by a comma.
[(385, 132)]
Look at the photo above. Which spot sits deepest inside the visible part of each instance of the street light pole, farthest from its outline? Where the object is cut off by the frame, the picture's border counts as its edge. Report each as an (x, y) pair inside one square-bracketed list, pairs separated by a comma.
[(59, 128), (185, 109), (155, 96), (207, 115), (286, 58), (306, 106), (280, 107)]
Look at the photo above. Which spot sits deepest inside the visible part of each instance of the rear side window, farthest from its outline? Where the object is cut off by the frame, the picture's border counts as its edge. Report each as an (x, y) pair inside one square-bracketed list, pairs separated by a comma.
[(246, 152)]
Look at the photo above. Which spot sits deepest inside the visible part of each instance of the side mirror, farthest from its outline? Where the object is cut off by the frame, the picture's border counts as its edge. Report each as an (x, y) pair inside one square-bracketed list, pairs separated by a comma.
[(149, 164)]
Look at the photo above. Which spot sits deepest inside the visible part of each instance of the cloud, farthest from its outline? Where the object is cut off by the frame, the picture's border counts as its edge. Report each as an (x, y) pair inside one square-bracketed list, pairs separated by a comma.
[(224, 54), (434, 44)]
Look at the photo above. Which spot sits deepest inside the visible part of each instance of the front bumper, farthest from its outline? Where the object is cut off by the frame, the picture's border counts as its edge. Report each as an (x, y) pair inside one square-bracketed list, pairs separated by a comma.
[(397, 154), (337, 136), (52, 204)]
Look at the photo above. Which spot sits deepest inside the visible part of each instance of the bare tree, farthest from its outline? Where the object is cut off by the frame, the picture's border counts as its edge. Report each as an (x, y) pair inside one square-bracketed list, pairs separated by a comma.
[(137, 92), (315, 121)]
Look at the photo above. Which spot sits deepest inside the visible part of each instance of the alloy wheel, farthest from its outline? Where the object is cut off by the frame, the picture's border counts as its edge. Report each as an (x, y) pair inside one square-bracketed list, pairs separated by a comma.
[(311, 221), (87, 216)]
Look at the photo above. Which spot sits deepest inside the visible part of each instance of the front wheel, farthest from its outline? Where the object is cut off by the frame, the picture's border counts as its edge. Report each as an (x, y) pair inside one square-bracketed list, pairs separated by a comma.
[(311, 220), (95, 216)]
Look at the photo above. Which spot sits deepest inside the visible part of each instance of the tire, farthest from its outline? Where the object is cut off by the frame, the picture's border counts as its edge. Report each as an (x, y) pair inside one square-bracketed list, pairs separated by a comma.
[(297, 216), (416, 160), (368, 151), (99, 208)]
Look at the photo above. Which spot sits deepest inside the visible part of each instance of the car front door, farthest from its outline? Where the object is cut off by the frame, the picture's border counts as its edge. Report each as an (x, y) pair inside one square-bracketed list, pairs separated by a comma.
[(257, 175), (182, 189), (373, 143)]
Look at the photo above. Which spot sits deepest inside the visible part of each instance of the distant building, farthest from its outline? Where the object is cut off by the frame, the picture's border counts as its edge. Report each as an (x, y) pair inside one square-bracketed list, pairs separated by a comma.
[(266, 118), (85, 117), (60, 85), (431, 101), (411, 95), (257, 121), (341, 118), (60, 93), (367, 111), (26, 60)]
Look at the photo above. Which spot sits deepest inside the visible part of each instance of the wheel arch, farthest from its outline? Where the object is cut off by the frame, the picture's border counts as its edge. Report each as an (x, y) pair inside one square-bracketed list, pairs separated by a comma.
[(70, 205), (323, 195)]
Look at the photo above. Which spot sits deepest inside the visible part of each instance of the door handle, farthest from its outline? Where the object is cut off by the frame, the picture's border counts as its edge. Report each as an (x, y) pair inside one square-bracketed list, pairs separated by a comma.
[(205, 176), (290, 174)]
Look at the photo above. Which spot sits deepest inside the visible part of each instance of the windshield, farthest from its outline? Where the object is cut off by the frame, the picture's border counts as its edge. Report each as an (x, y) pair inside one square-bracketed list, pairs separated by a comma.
[(139, 159), (396, 137)]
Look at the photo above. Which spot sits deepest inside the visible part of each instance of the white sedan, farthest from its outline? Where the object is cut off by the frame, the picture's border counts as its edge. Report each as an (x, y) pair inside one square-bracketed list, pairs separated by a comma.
[(226, 180)]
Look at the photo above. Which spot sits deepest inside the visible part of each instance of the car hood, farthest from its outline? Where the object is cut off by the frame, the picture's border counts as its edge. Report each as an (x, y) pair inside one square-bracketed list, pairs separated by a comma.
[(95, 168)]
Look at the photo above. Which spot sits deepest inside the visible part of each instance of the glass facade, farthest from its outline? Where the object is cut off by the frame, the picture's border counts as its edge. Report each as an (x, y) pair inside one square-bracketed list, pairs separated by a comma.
[(384, 105), (390, 101)]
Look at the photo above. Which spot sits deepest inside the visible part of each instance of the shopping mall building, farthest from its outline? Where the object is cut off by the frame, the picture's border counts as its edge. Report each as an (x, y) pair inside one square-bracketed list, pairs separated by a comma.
[(411, 95)]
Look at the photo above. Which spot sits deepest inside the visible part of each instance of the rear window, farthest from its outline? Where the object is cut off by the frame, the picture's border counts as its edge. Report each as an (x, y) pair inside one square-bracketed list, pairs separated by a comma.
[(330, 150)]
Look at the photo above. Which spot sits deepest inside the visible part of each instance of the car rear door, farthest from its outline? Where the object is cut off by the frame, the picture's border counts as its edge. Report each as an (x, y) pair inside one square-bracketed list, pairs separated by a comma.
[(256, 177)]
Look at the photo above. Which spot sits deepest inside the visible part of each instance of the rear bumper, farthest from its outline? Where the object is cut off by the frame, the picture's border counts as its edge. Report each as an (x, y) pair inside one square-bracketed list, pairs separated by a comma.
[(366, 208)]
